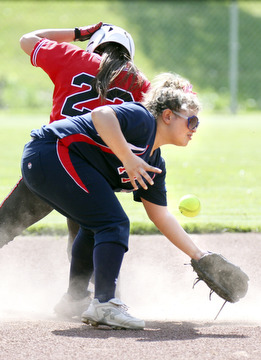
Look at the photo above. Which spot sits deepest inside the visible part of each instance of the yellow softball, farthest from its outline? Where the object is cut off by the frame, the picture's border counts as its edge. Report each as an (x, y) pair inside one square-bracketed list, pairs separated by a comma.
[(189, 205)]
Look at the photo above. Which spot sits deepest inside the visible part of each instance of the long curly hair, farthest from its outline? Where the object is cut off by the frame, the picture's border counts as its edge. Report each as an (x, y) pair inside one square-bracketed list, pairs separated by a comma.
[(170, 91)]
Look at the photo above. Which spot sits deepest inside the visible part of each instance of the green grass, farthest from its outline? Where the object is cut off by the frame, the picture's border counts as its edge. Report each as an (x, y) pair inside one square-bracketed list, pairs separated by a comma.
[(221, 166), (187, 37), (222, 163)]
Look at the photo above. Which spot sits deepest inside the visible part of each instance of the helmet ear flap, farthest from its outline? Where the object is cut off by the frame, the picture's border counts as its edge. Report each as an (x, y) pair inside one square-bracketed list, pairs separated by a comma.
[(110, 33)]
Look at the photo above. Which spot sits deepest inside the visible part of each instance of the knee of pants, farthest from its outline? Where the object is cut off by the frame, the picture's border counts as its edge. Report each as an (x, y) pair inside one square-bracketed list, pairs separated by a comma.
[(115, 232)]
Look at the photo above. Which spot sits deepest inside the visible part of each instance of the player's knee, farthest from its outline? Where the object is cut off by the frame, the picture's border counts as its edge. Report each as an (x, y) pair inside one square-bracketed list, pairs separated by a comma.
[(116, 232)]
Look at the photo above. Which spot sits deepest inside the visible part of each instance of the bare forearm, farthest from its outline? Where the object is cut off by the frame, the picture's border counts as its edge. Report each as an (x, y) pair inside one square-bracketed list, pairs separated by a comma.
[(58, 35), (177, 235), (108, 127), (29, 40), (171, 229)]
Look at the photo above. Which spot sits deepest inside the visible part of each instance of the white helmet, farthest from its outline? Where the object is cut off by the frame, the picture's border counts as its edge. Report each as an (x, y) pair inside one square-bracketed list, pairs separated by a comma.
[(111, 33)]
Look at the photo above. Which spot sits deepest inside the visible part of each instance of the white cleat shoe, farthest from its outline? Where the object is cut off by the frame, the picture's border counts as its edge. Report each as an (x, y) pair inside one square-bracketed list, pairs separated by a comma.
[(112, 313), (68, 307)]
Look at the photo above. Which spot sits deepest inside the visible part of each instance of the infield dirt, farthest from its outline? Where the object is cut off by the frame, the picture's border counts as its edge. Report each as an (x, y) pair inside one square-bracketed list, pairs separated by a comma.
[(156, 284)]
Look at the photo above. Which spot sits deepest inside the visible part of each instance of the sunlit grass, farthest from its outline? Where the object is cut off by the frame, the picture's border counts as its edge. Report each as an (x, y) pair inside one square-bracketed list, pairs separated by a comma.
[(221, 166)]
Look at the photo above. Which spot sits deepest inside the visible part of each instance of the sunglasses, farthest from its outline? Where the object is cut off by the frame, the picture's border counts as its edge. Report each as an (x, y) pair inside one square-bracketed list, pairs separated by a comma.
[(193, 121)]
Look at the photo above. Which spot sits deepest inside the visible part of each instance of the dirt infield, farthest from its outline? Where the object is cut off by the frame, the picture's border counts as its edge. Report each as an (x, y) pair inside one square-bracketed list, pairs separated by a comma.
[(157, 286)]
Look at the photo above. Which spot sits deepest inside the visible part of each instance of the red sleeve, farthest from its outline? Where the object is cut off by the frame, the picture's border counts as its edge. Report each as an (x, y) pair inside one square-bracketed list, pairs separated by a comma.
[(64, 62), (72, 69), (59, 53)]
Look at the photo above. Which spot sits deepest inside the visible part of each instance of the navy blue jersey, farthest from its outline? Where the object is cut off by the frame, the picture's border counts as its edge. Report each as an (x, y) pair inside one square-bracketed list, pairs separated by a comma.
[(138, 126)]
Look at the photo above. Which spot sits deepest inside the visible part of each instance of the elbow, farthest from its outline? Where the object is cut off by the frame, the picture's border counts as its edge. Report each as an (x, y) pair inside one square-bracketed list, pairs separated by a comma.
[(152, 217), (101, 113), (24, 44), (160, 218), (95, 115), (95, 112), (27, 42), (155, 217), (21, 41)]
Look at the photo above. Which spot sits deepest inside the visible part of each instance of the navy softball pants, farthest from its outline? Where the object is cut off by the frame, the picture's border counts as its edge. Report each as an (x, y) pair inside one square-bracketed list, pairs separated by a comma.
[(81, 194)]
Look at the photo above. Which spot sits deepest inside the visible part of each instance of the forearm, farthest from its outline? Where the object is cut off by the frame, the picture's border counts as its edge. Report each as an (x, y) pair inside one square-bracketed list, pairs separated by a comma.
[(108, 127), (28, 41), (171, 229), (58, 35)]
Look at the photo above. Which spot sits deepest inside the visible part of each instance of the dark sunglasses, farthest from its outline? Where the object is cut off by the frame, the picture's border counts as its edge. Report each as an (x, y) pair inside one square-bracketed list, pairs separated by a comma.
[(193, 121)]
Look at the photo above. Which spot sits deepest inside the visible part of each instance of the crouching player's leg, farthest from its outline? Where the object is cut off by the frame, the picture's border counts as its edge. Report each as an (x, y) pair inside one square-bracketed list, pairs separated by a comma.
[(78, 298)]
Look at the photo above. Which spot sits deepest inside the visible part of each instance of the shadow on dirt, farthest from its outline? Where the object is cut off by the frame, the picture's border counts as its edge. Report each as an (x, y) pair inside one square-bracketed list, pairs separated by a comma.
[(154, 331)]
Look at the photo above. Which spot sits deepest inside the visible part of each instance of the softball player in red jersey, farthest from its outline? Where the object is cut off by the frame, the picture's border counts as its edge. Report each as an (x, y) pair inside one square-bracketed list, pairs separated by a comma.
[(73, 71), (113, 148)]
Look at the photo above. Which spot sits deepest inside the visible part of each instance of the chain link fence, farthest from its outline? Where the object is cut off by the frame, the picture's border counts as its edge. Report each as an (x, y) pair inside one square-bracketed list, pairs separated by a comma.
[(215, 44)]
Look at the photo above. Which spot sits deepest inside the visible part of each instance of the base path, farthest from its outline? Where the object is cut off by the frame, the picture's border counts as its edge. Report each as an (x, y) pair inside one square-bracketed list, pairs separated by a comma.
[(156, 283)]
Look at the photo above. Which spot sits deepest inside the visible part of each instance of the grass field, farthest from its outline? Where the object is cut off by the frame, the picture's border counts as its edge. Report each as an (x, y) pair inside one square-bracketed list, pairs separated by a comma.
[(188, 37), (221, 166)]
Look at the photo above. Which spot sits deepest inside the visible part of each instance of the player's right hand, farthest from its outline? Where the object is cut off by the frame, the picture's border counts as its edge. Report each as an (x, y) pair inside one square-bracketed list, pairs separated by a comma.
[(85, 32)]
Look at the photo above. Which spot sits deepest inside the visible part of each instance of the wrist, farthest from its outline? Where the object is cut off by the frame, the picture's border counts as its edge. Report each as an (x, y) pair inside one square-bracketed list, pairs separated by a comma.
[(85, 32), (198, 254), (126, 155), (77, 34)]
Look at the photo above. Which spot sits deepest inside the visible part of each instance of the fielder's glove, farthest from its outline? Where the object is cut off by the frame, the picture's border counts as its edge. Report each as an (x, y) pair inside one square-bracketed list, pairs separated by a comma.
[(221, 276), (85, 33)]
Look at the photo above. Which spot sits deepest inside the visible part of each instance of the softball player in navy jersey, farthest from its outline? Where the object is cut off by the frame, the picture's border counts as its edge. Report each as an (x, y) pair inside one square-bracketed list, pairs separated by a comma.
[(78, 164)]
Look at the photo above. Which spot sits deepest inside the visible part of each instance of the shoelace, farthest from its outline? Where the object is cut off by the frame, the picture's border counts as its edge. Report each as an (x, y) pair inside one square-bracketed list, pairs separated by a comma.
[(124, 308)]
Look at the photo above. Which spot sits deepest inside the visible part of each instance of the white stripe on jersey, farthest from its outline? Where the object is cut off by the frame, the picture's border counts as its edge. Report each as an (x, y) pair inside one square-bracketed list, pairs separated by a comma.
[(36, 52), (136, 148)]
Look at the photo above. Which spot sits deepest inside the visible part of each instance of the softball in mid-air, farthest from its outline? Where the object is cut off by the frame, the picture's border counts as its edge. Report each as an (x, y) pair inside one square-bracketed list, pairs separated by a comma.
[(189, 205)]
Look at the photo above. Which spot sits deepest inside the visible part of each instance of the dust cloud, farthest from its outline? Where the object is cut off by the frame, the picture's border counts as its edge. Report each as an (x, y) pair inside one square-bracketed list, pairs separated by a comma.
[(155, 283), (34, 276), (157, 280)]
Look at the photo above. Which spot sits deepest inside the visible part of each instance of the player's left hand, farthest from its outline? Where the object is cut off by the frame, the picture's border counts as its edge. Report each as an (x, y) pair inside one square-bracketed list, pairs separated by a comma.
[(221, 276), (85, 32)]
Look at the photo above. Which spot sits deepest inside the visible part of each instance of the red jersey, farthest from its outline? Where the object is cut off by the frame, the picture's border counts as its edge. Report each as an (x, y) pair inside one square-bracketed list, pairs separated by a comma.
[(72, 70)]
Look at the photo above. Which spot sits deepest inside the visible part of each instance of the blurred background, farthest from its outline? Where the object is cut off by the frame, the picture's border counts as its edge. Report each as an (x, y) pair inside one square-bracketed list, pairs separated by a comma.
[(216, 44)]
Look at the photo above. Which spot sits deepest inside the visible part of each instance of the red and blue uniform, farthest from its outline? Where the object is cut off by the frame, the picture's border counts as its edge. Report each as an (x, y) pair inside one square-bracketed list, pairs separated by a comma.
[(68, 165), (72, 71)]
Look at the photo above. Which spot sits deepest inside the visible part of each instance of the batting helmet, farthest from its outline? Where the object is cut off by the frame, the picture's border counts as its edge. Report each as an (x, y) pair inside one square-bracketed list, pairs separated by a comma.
[(110, 33)]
